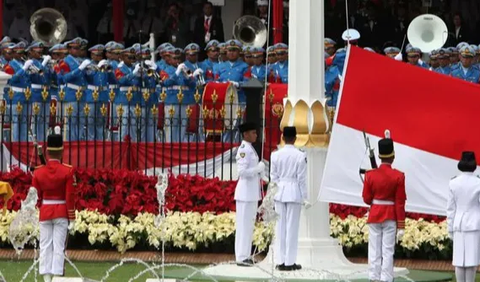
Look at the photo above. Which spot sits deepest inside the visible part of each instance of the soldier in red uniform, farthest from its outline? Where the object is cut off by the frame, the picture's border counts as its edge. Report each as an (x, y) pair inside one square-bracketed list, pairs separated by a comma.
[(384, 191), (55, 185)]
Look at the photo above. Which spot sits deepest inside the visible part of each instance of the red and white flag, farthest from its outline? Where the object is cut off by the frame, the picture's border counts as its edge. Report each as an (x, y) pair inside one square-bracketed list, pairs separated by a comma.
[(432, 119)]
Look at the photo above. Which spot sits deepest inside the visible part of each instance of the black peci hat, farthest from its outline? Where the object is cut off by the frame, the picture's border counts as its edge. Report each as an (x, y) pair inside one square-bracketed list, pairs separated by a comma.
[(247, 127), (289, 131), (55, 140), (468, 162)]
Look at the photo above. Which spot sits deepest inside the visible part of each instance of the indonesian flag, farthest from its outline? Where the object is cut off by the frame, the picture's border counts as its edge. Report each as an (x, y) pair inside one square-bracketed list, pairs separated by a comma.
[(432, 119)]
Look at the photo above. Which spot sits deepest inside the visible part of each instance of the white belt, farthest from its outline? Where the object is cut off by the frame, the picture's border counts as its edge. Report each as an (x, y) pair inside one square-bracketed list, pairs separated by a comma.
[(53, 202), (382, 202), (151, 90), (74, 86), (38, 86), (17, 89), (94, 87), (113, 86), (177, 87), (126, 88)]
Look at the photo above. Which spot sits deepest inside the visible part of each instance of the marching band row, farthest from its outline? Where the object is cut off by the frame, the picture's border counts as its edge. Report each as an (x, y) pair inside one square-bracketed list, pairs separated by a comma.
[(126, 81)]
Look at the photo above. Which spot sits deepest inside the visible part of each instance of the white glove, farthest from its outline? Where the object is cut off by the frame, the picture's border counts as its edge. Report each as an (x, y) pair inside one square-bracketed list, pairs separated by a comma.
[(84, 64), (197, 72), (121, 64), (260, 168), (400, 233), (307, 204), (136, 69), (264, 177), (151, 65), (71, 225), (234, 83), (450, 235), (27, 64), (46, 59), (102, 63), (180, 68)]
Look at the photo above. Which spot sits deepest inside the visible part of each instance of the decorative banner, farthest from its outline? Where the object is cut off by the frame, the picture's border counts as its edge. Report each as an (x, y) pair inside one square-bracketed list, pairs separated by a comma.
[(432, 119), (220, 107), (273, 115)]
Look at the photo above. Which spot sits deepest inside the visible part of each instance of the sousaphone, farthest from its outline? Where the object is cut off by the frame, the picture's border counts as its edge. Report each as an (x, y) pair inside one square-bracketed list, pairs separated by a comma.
[(427, 32), (48, 26)]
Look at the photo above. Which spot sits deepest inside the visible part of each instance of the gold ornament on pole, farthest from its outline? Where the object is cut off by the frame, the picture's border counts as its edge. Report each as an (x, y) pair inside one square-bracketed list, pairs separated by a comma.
[(69, 110), (86, 109), (28, 93), (111, 95), (154, 111), (129, 94), (95, 95), (138, 110), (163, 95), (180, 95), (188, 111), (61, 94), (36, 109), (197, 96), (19, 108), (79, 94), (171, 111), (44, 93), (146, 95), (103, 110), (10, 93), (53, 109), (2, 108)]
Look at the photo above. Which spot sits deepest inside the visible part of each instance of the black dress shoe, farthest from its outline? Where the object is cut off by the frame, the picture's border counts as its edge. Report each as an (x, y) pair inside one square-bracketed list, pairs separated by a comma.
[(246, 263), (296, 266), (279, 266)]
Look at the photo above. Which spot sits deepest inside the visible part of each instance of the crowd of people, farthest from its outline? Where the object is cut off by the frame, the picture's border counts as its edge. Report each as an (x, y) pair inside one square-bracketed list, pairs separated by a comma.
[(124, 79)]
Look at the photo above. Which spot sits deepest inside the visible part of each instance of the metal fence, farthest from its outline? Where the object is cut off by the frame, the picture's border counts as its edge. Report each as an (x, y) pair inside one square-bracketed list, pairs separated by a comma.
[(199, 138)]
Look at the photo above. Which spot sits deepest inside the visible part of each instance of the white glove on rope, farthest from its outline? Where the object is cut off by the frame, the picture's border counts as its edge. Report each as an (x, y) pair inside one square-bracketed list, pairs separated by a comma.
[(180, 68), (84, 64), (136, 69), (234, 83), (307, 204), (400, 233), (102, 63), (71, 225), (260, 168), (27, 64), (197, 72), (46, 59)]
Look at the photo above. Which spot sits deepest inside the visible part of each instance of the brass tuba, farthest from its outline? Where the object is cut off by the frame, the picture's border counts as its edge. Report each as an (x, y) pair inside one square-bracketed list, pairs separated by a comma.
[(251, 31), (48, 26)]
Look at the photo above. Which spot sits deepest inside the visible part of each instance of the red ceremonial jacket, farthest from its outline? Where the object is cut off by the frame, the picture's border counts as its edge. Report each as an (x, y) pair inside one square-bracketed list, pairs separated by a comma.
[(55, 181), (386, 184)]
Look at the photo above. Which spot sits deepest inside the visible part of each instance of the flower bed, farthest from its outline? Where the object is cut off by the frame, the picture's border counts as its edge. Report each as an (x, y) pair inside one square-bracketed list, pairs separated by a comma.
[(116, 209)]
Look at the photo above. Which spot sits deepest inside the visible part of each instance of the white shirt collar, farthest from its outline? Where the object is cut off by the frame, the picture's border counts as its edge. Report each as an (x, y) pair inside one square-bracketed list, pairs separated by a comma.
[(207, 17)]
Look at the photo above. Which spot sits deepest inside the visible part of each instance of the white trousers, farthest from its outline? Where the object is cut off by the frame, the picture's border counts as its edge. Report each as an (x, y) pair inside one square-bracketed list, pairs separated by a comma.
[(465, 274), (381, 247), (53, 236), (286, 234), (244, 225)]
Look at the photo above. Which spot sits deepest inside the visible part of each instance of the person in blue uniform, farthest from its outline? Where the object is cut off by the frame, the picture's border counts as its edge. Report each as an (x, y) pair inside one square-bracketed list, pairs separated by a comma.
[(83, 49), (458, 63), (96, 94), (258, 70), (454, 59), (234, 69), (3, 46), (161, 51), (444, 61), (223, 52), (413, 56), (40, 82), (280, 68), (466, 71), (149, 96), (127, 75), (391, 52), (329, 46), (72, 73), (211, 61), (19, 82)]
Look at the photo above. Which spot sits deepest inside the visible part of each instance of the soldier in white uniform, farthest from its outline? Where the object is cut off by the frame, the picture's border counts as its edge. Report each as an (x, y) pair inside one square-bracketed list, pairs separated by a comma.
[(463, 218), (289, 172), (247, 193)]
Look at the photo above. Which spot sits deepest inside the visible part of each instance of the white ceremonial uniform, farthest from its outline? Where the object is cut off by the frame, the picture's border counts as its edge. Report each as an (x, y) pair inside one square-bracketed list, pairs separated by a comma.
[(463, 220), (288, 171), (247, 195)]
